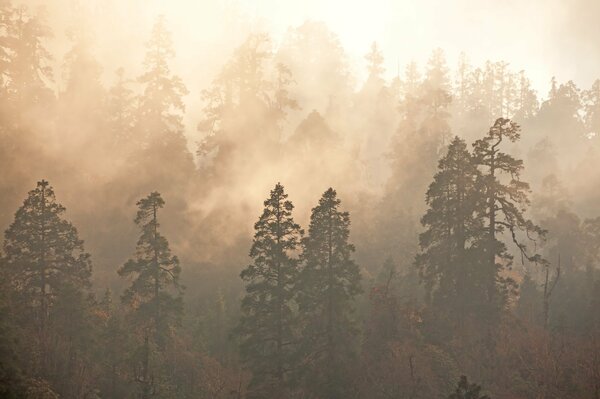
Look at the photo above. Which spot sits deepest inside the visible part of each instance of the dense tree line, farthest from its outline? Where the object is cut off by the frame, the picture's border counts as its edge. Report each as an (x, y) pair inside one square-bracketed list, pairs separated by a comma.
[(470, 269)]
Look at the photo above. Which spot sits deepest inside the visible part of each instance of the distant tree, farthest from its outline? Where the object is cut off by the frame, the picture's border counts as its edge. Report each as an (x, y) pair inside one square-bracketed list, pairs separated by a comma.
[(161, 104), (245, 107), (591, 100), (121, 113), (506, 201), (28, 70), (44, 258), (83, 89), (562, 112), (462, 86), (319, 64), (159, 113), (375, 60), (423, 133), (412, 79), (465, 390), (25, 79), (155, 295), (327, 288), (267, 327), (526, 103)]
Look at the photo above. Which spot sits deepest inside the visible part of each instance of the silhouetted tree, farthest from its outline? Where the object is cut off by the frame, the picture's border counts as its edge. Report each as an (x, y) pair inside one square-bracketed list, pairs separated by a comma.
[(155, 293), (267, 326), (450, 245), (45, 258), (506, 204), (327, 287)]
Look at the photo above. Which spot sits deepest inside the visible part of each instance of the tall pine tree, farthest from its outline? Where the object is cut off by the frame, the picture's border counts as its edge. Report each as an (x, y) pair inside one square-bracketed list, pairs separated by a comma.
[(44, 258), (267, 324), (327, 287), (155, 292), (453, 228)]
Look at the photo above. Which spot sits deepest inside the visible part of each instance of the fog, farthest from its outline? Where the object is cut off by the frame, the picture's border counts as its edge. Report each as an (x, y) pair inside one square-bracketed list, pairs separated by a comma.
[(208, 105)]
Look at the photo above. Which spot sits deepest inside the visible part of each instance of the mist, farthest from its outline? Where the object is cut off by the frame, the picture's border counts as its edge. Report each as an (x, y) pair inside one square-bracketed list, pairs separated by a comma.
[(161, 161)]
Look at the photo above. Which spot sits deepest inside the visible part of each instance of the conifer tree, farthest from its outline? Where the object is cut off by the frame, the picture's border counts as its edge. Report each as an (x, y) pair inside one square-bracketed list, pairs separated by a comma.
[(327, 288), (453, 228), (161, 104), (155, 293), (44, 257), (159, 115), (29, 68), (267, 325), (120, 112), (506, 201), (375, 62)]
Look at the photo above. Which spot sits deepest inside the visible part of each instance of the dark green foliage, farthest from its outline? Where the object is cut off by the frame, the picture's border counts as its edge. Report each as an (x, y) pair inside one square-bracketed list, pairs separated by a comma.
[(46, 272), (154, 296), (155, 292), (267, 326), (464, 390), (327, 288), (44, 254), (449, 262)]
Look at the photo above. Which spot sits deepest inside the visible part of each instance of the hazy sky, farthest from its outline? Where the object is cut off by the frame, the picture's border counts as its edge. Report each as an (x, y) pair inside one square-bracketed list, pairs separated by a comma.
[(544, 37)]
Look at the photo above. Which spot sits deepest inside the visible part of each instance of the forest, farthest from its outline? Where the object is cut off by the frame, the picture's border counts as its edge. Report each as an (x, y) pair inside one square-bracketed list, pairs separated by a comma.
[(296, 232)]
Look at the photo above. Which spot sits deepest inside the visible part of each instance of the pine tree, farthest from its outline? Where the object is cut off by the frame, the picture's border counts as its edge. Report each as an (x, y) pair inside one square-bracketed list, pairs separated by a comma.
[(422, 135), (155, 293), (159, 118), (527, 104), (161, 104), (120, 108), (327, 288), (29, 68), (506, 201), (245, 107), (267, 325), (375, 63), (44, 257), (453, 227)]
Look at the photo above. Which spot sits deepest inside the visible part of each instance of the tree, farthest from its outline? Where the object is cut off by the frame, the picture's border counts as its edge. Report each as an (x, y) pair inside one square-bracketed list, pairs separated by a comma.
[(375, 62), (155, 293), (245, 106), (29, 69), (121, 114), (327, 287), (267, 326), (161, 104), (159, 117), (527, 104), (44, 257), (422, 134), (453, 230), (506, 201)]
